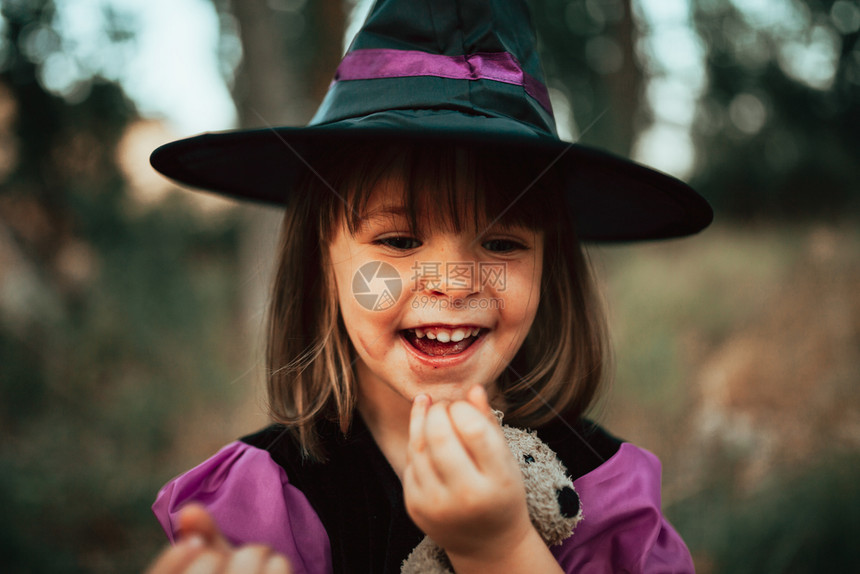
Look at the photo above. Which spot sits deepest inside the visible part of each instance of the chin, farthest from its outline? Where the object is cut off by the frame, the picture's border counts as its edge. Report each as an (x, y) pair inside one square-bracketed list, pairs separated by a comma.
[(445, 393), (444, 388)]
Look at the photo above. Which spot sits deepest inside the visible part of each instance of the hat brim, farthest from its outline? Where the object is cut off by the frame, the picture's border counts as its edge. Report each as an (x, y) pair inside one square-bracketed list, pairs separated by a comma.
[(612, 198)]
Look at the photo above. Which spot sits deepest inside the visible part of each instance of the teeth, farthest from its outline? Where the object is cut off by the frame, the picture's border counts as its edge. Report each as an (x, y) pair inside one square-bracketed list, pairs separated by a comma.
[(445, 335)]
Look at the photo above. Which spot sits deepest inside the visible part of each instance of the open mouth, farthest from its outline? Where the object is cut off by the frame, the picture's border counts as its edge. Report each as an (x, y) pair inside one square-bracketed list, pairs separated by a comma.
[(442, 341)]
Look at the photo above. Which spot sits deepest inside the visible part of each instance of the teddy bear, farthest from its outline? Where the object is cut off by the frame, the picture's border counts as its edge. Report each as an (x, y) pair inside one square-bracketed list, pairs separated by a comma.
[(552, 502)]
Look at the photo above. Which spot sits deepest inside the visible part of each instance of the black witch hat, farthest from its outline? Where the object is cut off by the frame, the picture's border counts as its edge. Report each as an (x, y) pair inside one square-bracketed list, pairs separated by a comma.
[(446, 71)]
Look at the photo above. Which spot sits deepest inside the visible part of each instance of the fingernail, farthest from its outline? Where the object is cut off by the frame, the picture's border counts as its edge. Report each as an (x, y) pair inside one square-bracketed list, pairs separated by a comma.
[(420, 399), (196, 541)]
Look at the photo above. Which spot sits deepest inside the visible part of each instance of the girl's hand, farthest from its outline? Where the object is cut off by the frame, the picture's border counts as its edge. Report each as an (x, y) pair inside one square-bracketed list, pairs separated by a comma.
[(461, 485), (202, 549)]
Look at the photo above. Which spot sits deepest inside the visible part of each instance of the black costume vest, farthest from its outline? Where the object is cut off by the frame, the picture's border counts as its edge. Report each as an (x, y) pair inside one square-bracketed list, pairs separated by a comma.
[(359, 498)]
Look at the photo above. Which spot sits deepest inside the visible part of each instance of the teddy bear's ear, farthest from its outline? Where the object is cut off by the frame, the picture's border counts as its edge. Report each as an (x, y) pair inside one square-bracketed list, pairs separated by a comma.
[(499, 415), (568, 502)]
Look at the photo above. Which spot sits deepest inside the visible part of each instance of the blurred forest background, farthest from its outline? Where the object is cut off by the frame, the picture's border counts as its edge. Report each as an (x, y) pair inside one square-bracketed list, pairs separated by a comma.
[(130, 311)]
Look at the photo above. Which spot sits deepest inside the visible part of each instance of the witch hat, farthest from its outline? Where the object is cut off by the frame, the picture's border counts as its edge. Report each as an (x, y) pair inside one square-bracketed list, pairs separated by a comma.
[(444, 71)]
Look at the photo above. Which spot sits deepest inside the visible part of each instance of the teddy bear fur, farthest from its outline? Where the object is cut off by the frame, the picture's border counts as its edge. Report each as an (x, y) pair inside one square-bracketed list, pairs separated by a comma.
[(552, 502)]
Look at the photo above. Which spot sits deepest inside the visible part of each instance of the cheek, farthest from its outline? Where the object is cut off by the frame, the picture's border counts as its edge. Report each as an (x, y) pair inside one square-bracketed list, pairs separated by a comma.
[(376, 338), (523, 292), (340, 276), (369, 331)]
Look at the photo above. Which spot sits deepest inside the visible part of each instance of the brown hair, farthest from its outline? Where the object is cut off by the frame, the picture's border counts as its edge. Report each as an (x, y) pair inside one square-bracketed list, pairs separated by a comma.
[(561, 364)]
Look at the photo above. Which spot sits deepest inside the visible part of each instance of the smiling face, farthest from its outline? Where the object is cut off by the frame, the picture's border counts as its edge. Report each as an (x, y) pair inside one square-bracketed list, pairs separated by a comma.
[(410, 211), (448, 330)]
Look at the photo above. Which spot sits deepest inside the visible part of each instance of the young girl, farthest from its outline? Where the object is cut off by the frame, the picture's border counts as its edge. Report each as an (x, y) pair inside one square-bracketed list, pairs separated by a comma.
[(429, 269)]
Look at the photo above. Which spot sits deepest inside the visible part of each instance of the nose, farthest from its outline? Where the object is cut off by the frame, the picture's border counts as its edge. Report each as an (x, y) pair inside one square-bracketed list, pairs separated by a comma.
[(448, 271), (568, 502)]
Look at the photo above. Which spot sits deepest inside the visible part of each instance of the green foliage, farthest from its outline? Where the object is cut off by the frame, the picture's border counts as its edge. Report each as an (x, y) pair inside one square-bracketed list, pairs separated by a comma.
[(801, 522), (94, 397), (777, 127), (587, 50), (108, 319)]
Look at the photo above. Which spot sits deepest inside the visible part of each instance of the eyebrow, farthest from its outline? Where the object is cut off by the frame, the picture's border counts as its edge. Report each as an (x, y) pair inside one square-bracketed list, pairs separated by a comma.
[(364, 221), (385, 211), (377, 213)]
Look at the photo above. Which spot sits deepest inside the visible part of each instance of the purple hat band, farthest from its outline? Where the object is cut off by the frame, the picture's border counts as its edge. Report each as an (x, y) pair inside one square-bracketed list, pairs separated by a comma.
[(373, 64)]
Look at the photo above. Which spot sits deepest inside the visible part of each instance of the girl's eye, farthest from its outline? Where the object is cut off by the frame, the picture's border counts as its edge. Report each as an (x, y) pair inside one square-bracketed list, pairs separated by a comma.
[(502, 245), (399, 243)]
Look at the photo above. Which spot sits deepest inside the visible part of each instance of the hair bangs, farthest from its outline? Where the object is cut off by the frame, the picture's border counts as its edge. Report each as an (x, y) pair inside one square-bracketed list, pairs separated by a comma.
[(454, 188)]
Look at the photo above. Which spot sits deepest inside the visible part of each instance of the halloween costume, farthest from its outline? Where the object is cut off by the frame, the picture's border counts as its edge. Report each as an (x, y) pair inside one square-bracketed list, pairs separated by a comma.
[(440, 72), (347, 514)]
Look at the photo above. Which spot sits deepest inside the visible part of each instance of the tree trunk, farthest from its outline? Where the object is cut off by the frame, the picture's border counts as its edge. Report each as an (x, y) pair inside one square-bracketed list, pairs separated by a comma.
[(289, 58), (625, 86)]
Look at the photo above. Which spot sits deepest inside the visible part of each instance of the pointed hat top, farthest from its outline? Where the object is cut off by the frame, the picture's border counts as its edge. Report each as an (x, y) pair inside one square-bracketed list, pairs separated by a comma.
[(476, 58)]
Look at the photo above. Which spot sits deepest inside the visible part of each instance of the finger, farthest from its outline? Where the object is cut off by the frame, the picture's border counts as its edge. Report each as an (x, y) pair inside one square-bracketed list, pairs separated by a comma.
[(414, 492), (445, 450), (277, 564), (423, 490), (477, 396), (417, 416), (248, 559), (194, 519), (482, 438), (207, 562), (426, 477), (177, 558), (411, 481)]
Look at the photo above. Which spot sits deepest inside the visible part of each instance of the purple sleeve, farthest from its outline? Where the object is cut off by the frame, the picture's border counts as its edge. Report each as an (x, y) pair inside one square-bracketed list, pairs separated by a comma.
[(623, 528), (252, 501)]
